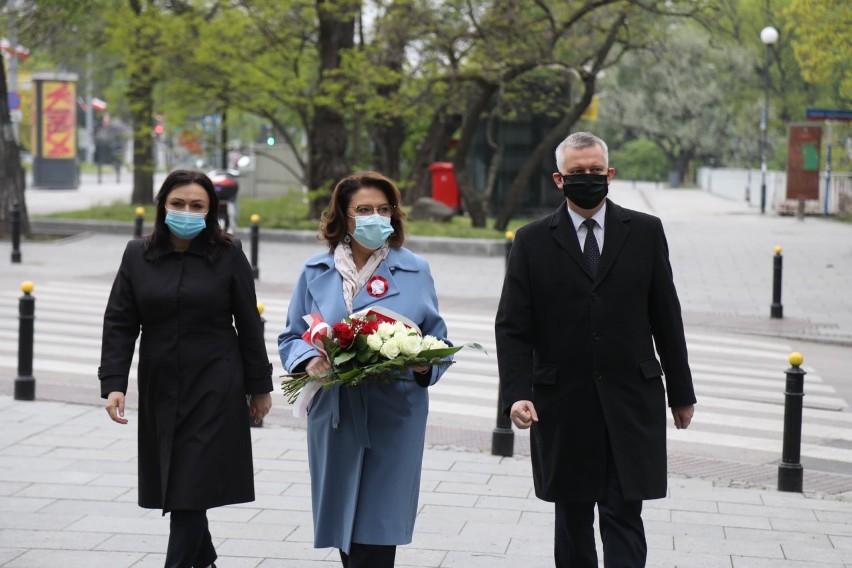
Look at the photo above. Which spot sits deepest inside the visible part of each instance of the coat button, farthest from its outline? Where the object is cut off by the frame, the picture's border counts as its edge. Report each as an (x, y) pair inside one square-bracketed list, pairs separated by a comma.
[(594, 297), (595, 337), (597, 376)]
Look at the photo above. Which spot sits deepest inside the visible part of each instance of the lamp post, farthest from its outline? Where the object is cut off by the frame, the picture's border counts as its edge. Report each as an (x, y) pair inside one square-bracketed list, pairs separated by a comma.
[(768, 36)]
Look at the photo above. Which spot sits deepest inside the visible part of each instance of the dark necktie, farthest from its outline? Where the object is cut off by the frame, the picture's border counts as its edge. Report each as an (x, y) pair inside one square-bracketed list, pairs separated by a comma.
[(590, 249)]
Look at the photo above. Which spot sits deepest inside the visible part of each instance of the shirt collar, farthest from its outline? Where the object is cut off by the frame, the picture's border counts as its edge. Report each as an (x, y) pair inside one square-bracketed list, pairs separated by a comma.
[(577, 219)]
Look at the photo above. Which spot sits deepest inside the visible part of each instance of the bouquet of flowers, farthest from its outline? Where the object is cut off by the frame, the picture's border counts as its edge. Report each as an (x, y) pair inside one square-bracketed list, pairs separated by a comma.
[(376, 344)]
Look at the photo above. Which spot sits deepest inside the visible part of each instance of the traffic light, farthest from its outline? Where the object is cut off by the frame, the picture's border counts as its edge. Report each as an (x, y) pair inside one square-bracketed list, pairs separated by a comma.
[(159, 128), (268, 134)]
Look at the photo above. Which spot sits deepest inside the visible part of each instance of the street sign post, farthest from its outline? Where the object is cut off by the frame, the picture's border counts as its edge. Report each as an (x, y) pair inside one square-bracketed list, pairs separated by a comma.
[(841, 115), (829, 115)]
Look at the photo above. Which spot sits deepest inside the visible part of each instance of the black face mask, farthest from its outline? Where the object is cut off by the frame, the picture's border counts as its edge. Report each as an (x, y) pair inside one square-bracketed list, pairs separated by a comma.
[(585, 190)]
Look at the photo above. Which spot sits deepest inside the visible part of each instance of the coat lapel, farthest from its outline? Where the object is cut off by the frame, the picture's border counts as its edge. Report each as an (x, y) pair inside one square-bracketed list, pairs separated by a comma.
[(327, 292), (615, 233), (566, 236)]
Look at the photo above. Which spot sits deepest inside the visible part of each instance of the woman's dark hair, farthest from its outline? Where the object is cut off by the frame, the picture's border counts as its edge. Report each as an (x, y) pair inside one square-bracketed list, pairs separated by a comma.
[(212, 238), (335, 220)]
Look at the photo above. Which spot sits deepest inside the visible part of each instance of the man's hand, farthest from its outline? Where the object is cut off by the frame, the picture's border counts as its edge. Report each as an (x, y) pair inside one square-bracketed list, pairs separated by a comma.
[(682, 416), (115, 407), (259, 405), (523, 414)]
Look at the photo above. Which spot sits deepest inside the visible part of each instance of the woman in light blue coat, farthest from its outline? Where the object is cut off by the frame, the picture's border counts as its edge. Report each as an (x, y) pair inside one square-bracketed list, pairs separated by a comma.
[(365, 443)]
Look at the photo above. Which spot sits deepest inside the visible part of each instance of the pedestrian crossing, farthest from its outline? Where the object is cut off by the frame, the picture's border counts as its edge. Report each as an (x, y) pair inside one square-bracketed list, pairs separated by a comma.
[(739, 381)]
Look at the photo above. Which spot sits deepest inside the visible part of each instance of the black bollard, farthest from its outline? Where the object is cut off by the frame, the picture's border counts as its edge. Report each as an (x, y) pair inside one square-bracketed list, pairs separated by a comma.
[(255, 238), (16, 233), (24, 382), (138, 222), (503, 438), (790, 471), (777, 310), (260, 308)]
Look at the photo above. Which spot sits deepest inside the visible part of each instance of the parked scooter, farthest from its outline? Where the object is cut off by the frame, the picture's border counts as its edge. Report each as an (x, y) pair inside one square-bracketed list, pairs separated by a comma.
[(226, 186)]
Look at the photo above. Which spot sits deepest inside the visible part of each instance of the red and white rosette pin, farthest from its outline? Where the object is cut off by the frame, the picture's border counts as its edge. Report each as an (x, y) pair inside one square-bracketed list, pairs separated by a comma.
[(377, 286)]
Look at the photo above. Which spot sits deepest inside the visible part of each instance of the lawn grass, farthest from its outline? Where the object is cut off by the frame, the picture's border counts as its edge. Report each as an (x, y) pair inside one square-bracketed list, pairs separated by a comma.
[(290, 212)]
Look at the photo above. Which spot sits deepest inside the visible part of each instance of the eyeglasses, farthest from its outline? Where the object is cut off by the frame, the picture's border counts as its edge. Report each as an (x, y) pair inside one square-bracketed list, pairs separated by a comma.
[(367, 210)]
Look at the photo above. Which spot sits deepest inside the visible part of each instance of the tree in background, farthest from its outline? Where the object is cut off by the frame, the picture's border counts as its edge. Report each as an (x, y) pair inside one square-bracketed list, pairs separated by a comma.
[(11, 172), (677, 96), (821, 42)]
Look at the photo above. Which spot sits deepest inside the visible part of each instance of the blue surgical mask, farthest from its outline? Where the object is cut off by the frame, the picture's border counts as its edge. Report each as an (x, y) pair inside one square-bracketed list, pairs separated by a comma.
[(185, 224), (372, 231)]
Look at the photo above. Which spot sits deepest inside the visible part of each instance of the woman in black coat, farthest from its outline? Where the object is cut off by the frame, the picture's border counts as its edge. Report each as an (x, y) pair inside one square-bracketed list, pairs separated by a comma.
[(203, 367)]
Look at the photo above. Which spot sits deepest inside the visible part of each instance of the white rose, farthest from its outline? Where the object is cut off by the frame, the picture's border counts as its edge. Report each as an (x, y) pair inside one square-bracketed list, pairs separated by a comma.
[(374, 341), (428, 342), (385, 330), (390, 348), (439, 344), (410, 345), (399, 328)]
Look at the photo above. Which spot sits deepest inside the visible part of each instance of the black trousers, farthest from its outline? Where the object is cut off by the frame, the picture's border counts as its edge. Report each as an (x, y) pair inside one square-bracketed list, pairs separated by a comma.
[(369, 556), (622, 531), (190, 545)]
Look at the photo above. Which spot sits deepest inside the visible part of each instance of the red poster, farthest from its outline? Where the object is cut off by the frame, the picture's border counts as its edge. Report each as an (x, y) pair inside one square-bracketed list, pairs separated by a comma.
[(803, 160)]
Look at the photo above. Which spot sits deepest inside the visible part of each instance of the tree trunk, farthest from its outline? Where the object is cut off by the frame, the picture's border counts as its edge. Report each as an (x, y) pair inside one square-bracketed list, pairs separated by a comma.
[(388, 131), (12, 178), (327, 147), (496, 158), (435, 147), (140, 95), (472, 199), (533, 161)]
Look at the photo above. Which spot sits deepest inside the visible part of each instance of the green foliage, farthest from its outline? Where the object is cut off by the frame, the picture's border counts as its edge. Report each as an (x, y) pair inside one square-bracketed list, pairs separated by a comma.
[(820, 30), (639, 160)]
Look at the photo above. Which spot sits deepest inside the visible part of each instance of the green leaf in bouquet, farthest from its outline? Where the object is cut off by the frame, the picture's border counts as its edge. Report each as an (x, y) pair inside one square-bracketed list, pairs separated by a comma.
[(366, 356), (440, 352), (475, 347), (344, 357)]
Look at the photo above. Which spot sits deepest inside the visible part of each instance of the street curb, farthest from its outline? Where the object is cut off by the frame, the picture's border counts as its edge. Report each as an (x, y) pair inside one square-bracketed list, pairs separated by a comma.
[(439, 245)]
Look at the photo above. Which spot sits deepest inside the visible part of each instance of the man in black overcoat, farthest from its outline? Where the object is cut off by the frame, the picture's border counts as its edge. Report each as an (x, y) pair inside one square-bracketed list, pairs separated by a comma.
[(587, 305)]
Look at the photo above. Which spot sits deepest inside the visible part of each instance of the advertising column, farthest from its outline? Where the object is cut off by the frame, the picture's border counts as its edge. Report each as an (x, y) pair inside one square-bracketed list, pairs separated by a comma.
[(54, 136)]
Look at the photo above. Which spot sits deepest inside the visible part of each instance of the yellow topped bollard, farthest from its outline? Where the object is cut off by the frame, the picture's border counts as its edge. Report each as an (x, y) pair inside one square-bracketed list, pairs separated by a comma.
[(25, 382), (790, 472), (138, 222), (260, 308), (776, 311), (796, 359), (255, 239)]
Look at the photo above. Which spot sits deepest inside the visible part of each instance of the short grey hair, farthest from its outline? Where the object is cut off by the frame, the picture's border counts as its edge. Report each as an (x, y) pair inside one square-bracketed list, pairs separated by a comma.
[(579, 140)]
